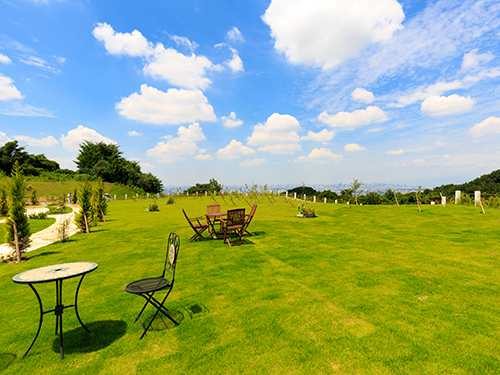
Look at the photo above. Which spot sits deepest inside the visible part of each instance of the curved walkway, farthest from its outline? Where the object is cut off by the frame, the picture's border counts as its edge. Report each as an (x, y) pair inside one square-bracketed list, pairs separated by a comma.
[(48, 235)]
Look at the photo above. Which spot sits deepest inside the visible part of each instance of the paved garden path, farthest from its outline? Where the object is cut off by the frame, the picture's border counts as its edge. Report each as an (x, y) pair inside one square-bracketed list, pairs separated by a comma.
[(47, 235)]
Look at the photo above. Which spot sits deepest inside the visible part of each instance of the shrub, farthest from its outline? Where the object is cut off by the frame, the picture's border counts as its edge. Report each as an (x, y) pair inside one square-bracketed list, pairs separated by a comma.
[(39, 216), (153, 207)]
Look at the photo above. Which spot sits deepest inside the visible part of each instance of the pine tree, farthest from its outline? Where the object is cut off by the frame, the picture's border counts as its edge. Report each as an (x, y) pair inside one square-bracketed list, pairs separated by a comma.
[(86, 216), (98, 201), (17, 225), (74, 198), (4, 204), (34, 198)]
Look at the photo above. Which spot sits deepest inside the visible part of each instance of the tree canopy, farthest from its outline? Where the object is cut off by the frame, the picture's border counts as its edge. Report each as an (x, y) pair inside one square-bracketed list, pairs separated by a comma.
[(212, 187), (101, 160), (32, 165)]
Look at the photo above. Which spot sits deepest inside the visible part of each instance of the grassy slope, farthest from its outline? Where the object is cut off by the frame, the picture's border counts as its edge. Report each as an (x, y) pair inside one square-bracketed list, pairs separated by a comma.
[(53, 191), (361, 290)]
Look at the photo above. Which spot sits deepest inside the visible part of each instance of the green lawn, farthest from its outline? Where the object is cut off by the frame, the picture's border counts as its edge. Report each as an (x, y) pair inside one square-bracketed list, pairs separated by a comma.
[(357, 290)]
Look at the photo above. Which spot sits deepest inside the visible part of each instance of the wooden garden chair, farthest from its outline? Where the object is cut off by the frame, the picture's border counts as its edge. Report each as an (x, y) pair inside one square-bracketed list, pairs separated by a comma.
[(248, 219), (234, 222), (198, 226)]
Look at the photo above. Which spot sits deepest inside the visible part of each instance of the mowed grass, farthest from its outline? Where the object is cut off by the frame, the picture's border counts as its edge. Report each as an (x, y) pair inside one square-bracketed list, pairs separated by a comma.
[(357, 290)]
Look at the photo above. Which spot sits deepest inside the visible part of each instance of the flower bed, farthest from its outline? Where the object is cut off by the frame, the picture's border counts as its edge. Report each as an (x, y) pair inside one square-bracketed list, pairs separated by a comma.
[(306, 212)]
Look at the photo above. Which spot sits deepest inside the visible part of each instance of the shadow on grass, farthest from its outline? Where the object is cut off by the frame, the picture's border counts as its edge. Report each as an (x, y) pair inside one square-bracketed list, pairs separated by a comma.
[(258, 233), (6, 360), (162, 323), (103, 333), (194, 310), (45, 253)]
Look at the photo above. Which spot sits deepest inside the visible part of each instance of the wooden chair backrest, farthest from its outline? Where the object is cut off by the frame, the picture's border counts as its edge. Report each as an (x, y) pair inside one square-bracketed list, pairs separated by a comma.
[(213, 208), (235, 217)]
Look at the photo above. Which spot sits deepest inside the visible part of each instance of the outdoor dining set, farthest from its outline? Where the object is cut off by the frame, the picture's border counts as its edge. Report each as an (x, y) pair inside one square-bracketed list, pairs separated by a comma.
[(222, 224)]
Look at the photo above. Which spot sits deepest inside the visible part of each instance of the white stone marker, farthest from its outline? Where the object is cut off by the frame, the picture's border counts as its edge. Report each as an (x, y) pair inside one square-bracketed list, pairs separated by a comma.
[(294, 195), (477, 197), (443, 201), (325, 200), (335, 201), (314, 199), (458, 196), (125, 196), (114, 198)]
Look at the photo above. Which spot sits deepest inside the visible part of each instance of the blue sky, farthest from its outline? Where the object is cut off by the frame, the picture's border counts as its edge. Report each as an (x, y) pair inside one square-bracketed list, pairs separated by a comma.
[(271, 92)]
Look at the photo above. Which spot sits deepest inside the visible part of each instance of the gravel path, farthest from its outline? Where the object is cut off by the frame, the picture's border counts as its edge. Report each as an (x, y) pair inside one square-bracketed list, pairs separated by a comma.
[(48, 235)]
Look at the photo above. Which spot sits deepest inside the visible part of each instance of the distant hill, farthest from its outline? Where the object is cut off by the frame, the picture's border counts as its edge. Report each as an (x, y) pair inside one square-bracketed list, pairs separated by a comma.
[(487, 184)]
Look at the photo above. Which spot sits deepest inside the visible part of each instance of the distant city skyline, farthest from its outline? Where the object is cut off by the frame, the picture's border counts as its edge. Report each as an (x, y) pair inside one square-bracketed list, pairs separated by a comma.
[(273, 91)]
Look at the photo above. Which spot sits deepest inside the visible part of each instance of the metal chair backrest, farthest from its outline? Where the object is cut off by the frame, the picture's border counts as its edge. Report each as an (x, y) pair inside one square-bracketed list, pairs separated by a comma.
[(235, 217), (173, 245), (213, 208)]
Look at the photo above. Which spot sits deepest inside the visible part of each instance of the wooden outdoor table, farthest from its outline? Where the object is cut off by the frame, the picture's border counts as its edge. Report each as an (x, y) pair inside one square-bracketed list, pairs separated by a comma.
[(57, 273), (212, 218)]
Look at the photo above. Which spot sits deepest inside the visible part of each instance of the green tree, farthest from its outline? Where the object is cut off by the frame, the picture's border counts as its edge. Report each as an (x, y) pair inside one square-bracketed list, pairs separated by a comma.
[(212, 187), (99, 201), (9, 154), (34, 198), (85, 217), (4, 204), (355, 187), (74, 197), (106, 161), (18, 232)]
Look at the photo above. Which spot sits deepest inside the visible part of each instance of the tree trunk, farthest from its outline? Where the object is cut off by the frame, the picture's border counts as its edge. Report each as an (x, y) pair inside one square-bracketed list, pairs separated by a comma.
[(16, 241), (86, 223)]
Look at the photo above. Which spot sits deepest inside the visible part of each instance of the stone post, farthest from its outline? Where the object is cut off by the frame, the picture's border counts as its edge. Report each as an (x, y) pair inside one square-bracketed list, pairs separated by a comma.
[(458, 196), (314, 199), (286, 195), (477, 197), (114, 198), (325, 200), (294, 195), (136, 196), (443, 201), (69, 198), (335, 201), (125, 196)]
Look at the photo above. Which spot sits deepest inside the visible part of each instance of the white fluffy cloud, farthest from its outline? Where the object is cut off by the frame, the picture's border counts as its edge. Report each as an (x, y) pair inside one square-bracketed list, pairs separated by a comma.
[(235, 64), (423, 92), (172, 107), (203, 157), (489, 126), (234, 35), (234, 150), (42, 142), (472, 60), (5, 59), (231, 121), (320, 155), (363, 95), (4, 139), (350, 120), (447, 105), (324, 33), (179, 69), (7, 90), (185, 42), (71, 142), (159, 62), (253, 162), (395, 152), (175, 148), (322, 136), (132, 44), (278, 135), (354, 147), (134, 133)]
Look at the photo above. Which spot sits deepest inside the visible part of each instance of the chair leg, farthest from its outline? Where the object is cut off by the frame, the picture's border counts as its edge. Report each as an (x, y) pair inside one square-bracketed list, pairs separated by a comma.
[(159, 307)]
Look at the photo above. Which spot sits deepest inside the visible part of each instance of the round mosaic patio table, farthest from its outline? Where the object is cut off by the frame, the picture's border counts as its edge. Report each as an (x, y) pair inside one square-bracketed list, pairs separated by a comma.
[(56, 273)]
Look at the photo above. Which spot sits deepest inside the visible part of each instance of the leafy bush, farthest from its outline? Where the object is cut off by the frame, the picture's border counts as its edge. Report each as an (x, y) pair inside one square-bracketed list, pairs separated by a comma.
[(153, 207), (39, 216), (306, 212)]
